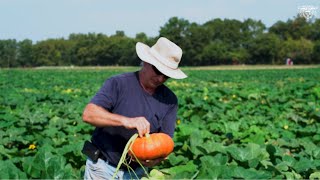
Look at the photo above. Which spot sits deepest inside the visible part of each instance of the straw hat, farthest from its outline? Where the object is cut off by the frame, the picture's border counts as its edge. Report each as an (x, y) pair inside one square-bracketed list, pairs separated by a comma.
[(164, 55)]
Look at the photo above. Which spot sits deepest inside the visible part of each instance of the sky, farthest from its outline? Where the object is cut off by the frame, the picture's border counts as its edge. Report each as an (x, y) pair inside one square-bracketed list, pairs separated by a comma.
[(43, 19)]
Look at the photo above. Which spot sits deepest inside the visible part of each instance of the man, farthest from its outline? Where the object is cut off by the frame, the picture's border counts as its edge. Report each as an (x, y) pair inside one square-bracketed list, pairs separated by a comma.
[(136, 102)]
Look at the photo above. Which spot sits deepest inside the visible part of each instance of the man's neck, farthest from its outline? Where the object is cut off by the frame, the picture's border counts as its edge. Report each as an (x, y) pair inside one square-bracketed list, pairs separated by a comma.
[(144, 85)]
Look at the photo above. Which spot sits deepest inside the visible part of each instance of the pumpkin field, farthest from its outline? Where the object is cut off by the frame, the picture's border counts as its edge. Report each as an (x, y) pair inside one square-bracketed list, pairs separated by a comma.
[(232, 124)]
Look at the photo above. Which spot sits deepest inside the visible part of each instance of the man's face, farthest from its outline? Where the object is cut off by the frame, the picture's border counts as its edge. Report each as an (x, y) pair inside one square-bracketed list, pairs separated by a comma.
[(156, 78)]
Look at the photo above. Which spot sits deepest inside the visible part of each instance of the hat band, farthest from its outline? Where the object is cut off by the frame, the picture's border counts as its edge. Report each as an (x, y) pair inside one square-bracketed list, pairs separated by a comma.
[(170, 62)]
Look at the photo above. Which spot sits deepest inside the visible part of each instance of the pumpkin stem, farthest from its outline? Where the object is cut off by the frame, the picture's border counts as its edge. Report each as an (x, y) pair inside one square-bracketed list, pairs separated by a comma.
[(147, 135), (124, 153), (140, 164)]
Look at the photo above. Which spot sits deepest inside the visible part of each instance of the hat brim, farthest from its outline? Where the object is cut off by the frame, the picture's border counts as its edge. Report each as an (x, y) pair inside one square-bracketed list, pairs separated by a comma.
[(143, 52)]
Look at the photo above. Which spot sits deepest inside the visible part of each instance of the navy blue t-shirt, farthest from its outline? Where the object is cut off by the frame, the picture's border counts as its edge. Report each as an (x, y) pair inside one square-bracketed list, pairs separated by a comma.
[(123, 95)]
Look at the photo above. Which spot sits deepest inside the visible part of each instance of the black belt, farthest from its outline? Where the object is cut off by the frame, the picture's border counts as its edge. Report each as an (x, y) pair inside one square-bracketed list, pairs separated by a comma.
[(123, 167), (101, 156)]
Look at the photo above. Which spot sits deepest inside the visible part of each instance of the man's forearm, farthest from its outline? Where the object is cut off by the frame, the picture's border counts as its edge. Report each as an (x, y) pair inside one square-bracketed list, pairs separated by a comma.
[(99, 117)]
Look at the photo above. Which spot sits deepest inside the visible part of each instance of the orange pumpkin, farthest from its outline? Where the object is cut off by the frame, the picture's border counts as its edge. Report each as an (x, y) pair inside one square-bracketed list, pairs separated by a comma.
[(153, 146)]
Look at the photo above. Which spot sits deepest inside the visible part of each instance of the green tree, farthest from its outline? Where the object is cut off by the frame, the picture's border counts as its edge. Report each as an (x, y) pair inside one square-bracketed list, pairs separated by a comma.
[(194, 43), (300, 51), (8, 53), (316, 53), (250, 30), (52, 52), (281, 29), (264, 49), (84, 48), (294, 29), (118, 51), (120, 34), (228, 31), (300, 28), (25, 53), (176, 30), (239, 56), (315, 30), (142, 37), (215, 53)]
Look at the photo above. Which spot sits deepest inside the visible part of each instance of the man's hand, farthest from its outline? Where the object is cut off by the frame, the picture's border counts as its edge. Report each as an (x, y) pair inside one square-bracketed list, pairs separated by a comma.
[(100, 117), (150, 163), (139, 123)]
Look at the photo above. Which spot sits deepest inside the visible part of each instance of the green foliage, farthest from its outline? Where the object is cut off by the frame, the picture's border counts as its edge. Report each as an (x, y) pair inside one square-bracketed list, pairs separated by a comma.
[(215, 42), (45, 165), (235, 125), (257, 124)]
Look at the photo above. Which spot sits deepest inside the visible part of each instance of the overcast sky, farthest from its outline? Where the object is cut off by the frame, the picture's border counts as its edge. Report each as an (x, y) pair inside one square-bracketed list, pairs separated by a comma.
[(42, 19)]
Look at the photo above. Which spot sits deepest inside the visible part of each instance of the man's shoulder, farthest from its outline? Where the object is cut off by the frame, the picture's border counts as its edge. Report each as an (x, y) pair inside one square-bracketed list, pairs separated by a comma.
[(168, 94), (123, 77)]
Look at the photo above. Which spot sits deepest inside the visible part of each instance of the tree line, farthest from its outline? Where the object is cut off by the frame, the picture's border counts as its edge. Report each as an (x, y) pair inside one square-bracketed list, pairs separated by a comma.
[(216, 42)]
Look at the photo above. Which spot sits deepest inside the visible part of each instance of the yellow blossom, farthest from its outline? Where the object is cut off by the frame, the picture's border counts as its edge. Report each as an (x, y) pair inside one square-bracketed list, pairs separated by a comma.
[(32, 146), (178, 121), (285, 127), (67, 91)]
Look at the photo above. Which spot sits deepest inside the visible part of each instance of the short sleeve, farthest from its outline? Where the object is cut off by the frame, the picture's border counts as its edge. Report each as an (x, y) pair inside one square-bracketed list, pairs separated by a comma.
[(106, 97)]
